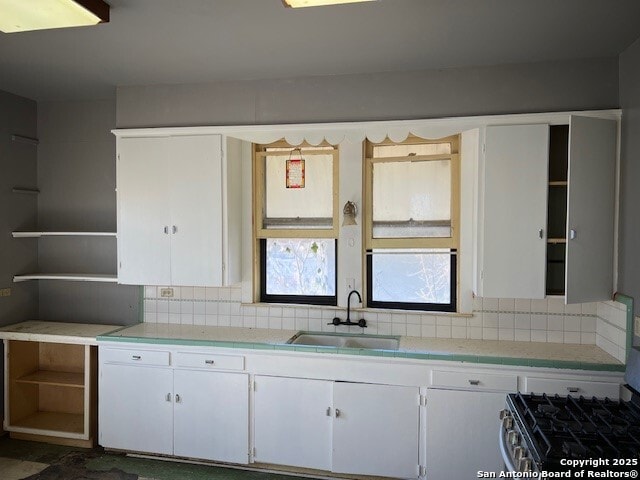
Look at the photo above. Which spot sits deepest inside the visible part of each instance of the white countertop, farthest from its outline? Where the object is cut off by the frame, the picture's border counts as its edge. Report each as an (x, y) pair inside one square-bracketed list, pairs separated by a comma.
[(56, 332), (554, 352)]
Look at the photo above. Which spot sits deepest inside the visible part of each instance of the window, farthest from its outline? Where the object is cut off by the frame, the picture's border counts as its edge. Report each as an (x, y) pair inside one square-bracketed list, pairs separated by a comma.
[(295, 225), (411, 223)]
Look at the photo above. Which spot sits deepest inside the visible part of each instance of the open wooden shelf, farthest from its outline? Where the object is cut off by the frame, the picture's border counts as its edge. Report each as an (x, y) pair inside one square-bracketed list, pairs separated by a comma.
[(53, 421), (62, 234), (556, 240), (559, 183), (59, 379), (76, 277)]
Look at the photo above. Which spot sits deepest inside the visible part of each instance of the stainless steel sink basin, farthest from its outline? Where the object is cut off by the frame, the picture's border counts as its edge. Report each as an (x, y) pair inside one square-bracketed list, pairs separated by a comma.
[(369, 342)]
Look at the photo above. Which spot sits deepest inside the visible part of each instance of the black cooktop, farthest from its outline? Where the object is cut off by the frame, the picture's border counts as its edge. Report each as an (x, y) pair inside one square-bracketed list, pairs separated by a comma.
[(571, 427)]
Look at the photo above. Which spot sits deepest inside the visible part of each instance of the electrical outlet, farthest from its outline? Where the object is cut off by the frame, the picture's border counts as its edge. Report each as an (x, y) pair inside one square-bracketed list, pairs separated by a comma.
[(166, 292), (5, 292), (351, 284)]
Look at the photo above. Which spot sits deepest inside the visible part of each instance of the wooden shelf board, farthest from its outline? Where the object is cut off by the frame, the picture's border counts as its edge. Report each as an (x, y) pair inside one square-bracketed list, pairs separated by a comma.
[(559, 183), (53, 421), (556, 240), (61, 379), (62, 234), (77, 277)]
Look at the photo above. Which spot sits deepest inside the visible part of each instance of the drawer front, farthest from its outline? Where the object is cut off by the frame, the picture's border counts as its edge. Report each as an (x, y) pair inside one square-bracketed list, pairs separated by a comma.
[(134, 357), (576, 388), (474, 381), (209, 360)]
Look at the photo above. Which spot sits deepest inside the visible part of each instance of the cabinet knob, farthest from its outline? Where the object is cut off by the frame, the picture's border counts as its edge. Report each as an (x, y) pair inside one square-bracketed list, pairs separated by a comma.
[(168, 397), (573, 389), (166, 230), (573, 234), (541, 233), (337, 412), (174, 229), (136, 357), (328, 411), (474, 382), (178, 399), (210, 362)]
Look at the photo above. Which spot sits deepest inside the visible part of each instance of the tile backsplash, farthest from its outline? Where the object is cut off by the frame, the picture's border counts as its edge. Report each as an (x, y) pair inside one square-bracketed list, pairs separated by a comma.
[(611, 329), (548, 320)]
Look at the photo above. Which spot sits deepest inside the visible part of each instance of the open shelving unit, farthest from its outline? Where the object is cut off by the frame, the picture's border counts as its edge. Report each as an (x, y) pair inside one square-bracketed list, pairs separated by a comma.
[(557, 209), (61, 234), (50, 391), (75, 277)]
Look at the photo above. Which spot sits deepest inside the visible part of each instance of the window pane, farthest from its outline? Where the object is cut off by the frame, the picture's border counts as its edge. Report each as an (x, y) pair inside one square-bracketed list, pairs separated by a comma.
[(412, 199), (297, 266), (411, 277), (308, 207)]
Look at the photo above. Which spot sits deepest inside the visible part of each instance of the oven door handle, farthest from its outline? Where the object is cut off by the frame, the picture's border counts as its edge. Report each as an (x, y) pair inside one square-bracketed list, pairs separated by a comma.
[(504, 450)]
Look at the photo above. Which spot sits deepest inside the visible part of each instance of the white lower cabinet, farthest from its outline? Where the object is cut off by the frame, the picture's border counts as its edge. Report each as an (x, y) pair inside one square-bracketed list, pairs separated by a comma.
[(188, 413), (292, 422), (375, 430), (211, 415), (343, 427), (135, 410), (441, 423), (462, 433)]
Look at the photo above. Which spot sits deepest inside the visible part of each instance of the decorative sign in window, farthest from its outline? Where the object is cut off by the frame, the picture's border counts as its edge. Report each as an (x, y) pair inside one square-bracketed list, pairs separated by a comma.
[(295, 173)]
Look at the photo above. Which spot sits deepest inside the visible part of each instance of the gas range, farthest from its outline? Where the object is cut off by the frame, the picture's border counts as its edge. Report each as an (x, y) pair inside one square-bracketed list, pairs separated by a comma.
[(554, 433)]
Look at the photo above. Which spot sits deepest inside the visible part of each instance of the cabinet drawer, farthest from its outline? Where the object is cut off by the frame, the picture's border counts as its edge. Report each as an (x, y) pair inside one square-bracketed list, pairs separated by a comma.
[(208, 360), (474, 381), (134, 357), (566, 386)]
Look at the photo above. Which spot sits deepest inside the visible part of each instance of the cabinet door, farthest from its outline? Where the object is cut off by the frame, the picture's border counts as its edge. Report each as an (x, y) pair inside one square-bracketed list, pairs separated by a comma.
[(195, 192), (136, 409), (143, 211), (292, 425), (591, 209), (515, 211), (375, 430), (462, 433), (211, 415)]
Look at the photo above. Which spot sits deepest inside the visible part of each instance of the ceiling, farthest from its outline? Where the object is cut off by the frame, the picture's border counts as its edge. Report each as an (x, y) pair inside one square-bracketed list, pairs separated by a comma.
[(196, 41)]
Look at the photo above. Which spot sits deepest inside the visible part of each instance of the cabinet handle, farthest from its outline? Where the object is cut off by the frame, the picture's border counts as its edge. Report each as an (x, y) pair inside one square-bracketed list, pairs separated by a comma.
[(136, 357), (174, 229), (168, 397), (474, 382), (541, 233), (328, 411), (573, 234), (210, 362), (573, 389), (337, 412), (166, 230), (178, 399)]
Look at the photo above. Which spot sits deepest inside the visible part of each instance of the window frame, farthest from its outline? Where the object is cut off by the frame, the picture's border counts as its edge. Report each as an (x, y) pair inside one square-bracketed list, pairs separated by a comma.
[(326, 300), (426, 306), (452, 243), (259, 154)]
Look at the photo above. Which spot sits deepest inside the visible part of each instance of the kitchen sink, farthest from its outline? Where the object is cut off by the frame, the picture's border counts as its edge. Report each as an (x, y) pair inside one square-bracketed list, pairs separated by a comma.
[(370, 342)]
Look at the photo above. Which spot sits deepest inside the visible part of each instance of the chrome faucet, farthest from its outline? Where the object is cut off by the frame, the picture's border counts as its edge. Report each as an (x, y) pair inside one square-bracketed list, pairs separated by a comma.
[(360, 323)]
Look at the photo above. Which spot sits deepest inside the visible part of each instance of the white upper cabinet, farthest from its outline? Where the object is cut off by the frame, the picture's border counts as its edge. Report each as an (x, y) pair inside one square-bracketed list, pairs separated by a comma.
[(515, 211), (179, 201), (546, 211), (591, 209)]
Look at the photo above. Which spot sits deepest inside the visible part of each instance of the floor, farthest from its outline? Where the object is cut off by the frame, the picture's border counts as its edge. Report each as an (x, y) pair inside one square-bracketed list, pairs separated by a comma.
[(41, 461)]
